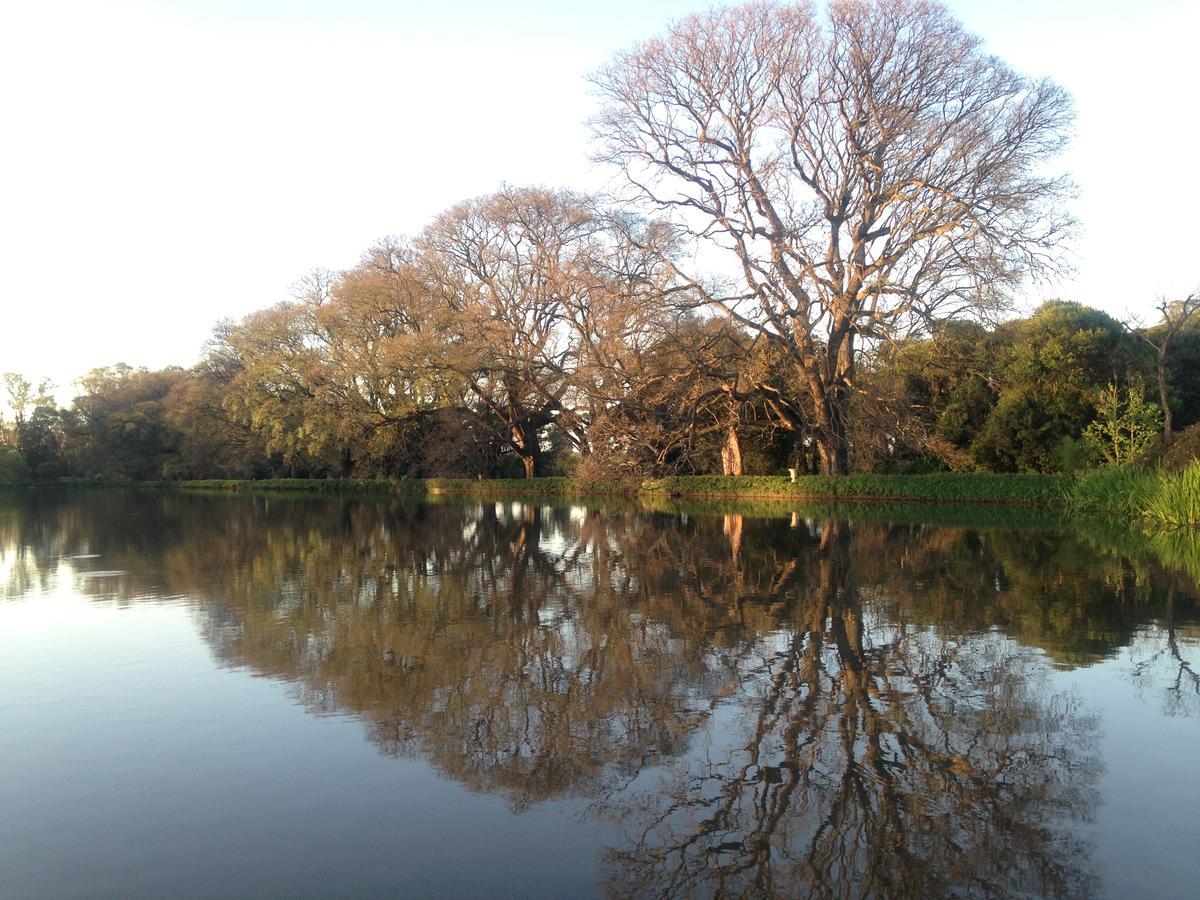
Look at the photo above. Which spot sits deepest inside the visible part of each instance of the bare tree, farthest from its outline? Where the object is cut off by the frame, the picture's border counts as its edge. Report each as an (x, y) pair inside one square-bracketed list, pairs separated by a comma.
[(550, 301), (863, 176), (507, 266), (1175, 316)]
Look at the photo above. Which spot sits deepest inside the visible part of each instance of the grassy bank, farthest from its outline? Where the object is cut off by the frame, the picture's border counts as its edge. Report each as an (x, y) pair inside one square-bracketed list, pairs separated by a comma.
[(529, 487), (1151, 498), (1027, 490)]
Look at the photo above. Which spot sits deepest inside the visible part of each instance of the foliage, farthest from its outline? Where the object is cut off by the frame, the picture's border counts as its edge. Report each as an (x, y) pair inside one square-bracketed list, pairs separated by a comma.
[(1179, 451), (1049, 373), (1158, 499), (13, 469), (1016, 397), (283, 394), (1075, 454), (120, 423), (1126, 425)]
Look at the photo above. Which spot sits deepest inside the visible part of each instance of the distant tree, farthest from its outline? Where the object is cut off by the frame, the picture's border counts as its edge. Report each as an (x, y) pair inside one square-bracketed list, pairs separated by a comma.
[(213, 442), (863, 177), (37, 430), (24, 396), (119, 423), (925, 399), (679, 410), (274, 389)]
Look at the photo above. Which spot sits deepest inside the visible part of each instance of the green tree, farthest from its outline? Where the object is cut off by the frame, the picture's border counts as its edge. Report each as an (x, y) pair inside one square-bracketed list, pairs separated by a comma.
[(1049, 376), (119, 428), (1126, 424)]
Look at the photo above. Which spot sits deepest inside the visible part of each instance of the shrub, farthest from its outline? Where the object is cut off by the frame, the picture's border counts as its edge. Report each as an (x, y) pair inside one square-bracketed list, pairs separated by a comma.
[(1126, 424)]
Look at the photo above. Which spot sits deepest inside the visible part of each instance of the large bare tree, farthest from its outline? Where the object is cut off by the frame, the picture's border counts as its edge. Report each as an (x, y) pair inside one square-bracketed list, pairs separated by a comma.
[(864, 173)]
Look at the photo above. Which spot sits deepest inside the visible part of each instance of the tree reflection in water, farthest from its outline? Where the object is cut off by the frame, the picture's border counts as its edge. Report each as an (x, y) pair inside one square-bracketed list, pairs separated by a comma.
[(867, 756), (761, 706)]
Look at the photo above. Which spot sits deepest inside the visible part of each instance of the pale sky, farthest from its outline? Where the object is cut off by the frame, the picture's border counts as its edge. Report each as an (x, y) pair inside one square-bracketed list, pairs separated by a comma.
[(165, 164)]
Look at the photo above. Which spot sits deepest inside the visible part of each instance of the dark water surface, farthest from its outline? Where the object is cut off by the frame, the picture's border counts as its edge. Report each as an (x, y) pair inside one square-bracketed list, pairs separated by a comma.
[(262, 696)]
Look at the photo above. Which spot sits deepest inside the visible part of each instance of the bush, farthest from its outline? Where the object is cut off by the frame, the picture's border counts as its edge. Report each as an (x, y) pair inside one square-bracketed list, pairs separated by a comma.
[(12, 466), (1130, 493), (1073, 455)]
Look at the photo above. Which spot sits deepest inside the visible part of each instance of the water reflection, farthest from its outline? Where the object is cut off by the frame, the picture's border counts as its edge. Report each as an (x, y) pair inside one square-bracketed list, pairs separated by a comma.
[(760, 705), (873, 757)]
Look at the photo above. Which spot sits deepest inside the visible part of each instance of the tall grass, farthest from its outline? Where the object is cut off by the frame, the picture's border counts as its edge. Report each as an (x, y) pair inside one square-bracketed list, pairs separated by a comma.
[(1175, 500), (1117, 492), (1156, 498)]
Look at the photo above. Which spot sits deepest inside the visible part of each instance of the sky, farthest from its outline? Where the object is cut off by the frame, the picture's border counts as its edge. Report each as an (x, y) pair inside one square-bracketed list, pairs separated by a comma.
[(167, 164)]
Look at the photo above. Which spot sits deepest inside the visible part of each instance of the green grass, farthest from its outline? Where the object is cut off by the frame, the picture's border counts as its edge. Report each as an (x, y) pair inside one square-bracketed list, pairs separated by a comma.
[(1041, 490), (945, 488), (547, 487)]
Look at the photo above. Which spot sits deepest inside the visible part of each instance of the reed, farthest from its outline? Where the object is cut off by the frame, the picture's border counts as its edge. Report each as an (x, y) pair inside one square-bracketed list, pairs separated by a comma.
[(1116, 492), (1175, 499)]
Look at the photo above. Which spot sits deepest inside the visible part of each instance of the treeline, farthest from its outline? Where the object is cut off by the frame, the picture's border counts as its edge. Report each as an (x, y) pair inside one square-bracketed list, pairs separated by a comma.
[(815, 209), (282, 393)]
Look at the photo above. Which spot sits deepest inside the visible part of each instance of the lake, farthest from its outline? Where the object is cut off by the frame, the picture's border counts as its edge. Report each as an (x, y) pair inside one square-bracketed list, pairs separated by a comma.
[(243, 695)]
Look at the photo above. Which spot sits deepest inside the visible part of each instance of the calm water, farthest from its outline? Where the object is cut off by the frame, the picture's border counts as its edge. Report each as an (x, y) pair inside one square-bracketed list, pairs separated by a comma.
[(209, 695)]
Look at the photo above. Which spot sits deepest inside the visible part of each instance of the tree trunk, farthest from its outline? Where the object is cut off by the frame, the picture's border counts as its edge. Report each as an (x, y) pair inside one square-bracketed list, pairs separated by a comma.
[(831, 403), (1162, 391), (832, 450), (525, 442), (731, 453)]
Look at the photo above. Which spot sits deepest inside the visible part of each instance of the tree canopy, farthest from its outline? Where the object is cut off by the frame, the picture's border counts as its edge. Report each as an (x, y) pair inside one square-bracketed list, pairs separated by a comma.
[(823, 217)]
